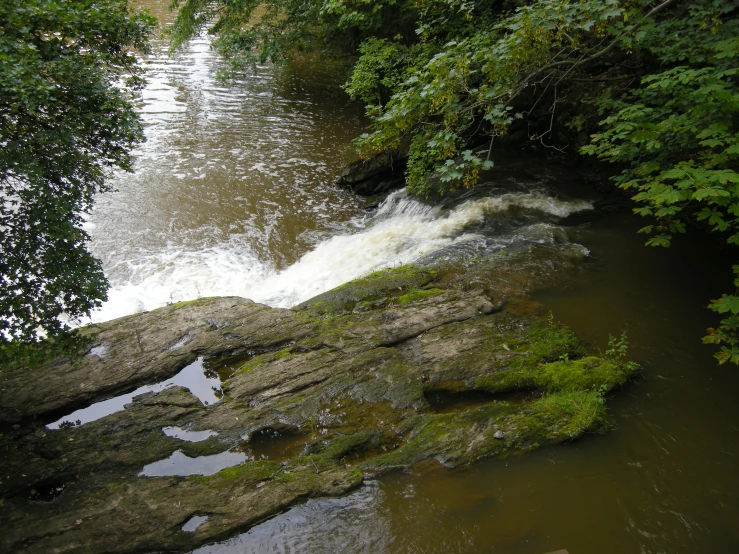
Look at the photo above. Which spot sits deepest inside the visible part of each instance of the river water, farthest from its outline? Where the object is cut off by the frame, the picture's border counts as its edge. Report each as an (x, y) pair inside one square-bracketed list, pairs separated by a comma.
[(233, 195)]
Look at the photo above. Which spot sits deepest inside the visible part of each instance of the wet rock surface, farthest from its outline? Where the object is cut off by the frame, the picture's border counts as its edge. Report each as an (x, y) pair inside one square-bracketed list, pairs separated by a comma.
[(146, 348), (379, 175), (339, 384)]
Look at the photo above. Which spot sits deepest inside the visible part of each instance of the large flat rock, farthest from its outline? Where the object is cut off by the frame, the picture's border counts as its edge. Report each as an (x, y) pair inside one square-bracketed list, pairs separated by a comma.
[(314, 399), (146, 348)]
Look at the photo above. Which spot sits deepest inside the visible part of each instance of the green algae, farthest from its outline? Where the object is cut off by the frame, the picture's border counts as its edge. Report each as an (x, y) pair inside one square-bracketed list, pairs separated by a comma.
[(342, 445), (414, 295), (394, 381), (589, 373), (327, 454), (248, 472), (547, 342), (538, 344), (284, 353), (496, 429), (207, 447), (261, 359), (307, 470), (386, 283), (573, 413), (252, 364), (437, 436), (389, 278)]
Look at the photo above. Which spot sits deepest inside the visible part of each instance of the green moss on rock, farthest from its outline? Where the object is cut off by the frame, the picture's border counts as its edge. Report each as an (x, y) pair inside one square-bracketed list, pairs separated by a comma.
[(387, 283), (249, 472), (497, 429), (203, 448), (590, 373), (570, 414), (252, 364), (414, 295)]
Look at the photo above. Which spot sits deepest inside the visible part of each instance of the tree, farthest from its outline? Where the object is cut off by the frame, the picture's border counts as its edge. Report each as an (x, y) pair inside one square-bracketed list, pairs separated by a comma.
[(67, 75), (676, 138)]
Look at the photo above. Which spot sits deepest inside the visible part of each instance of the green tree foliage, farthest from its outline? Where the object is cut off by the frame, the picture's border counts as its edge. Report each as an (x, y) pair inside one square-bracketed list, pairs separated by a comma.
[(253, 31), (67, 72), (654, 82), (676, 136)]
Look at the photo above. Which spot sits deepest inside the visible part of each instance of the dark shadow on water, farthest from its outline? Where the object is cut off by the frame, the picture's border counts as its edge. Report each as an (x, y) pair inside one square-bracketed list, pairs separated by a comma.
[(46, 492), (273, 444), (445, 401)]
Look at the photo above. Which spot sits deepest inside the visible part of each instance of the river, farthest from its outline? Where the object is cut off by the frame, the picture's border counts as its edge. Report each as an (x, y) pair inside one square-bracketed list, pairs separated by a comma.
[(233, 195)]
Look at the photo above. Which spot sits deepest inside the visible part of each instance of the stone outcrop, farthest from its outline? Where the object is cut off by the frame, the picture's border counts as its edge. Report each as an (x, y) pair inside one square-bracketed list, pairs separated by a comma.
[(349, 381), (146, 348), (379, 175)]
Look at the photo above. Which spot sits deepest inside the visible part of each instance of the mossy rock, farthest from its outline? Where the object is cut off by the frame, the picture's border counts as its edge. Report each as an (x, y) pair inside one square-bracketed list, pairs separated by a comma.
[(387, 283), (587, 374), (344, 379)]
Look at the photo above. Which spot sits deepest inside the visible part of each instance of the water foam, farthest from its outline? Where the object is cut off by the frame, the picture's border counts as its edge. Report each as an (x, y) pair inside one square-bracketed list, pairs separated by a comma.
[(402, 230), (181, 273)]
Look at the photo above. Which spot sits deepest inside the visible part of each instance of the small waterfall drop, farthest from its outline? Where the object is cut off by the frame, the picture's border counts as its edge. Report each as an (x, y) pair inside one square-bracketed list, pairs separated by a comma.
[(402, 230)]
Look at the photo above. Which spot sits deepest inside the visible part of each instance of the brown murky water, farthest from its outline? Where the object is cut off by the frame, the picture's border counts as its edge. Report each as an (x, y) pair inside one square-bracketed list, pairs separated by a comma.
[(233, 195), (234, 182), (664, 480)]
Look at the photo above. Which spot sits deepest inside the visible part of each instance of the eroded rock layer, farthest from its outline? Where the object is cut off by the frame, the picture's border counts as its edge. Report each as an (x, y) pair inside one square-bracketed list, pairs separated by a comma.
[(349, 384)]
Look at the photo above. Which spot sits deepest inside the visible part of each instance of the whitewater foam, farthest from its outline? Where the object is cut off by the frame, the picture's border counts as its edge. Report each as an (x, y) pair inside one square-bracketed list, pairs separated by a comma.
[(402, 230)]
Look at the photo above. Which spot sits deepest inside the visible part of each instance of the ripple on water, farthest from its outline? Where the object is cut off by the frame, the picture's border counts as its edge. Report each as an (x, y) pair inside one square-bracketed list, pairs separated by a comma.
[(354, 523)]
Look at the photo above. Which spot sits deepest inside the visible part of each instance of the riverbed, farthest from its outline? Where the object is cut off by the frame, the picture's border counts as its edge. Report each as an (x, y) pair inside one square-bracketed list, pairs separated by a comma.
[(233, 195)]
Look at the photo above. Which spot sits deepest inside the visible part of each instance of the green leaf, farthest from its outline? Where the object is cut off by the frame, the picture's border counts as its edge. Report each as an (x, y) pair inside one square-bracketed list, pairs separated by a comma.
[(68, 73), (726, 304)]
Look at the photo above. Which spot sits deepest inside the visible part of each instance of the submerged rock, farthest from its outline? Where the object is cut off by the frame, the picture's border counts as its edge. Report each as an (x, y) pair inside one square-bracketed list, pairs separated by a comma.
[(314, 399)]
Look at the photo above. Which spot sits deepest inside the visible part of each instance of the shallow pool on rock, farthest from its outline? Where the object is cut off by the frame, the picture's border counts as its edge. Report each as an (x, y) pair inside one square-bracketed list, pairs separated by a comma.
[(193, 523), (273, 445), (187, 435), (193, 377), (180, 465)]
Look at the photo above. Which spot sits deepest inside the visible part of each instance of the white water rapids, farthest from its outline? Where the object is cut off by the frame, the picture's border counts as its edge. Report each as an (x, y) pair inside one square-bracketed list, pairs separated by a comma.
[(232, 194), (402, 230)]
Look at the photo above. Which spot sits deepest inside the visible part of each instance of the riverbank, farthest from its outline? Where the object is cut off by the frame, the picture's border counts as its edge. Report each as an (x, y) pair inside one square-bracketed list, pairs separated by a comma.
[(405, 365)]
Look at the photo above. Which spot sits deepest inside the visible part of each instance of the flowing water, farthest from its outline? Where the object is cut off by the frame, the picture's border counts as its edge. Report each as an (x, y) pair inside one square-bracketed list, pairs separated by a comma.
[(233, 184), (232, 195)]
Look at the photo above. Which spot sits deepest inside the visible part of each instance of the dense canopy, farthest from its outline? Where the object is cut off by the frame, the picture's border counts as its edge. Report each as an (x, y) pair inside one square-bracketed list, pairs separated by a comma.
[(67, 73)]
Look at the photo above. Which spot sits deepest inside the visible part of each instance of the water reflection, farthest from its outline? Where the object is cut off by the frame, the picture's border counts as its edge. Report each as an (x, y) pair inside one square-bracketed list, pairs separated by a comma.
[(187, 435), (193, 523), (234, 180), (178, 464), (194, 377), (350, 524)]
